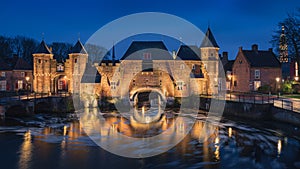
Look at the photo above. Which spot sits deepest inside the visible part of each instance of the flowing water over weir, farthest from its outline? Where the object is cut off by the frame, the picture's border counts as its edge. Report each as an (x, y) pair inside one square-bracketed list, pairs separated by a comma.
[(61, 143)]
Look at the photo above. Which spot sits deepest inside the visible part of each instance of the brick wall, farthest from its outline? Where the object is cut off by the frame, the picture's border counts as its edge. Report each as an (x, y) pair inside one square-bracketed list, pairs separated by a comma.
[(241, 74)]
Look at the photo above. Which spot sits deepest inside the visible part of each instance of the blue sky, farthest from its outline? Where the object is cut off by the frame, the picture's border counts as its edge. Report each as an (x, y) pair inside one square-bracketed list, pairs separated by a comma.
[(234, 23)]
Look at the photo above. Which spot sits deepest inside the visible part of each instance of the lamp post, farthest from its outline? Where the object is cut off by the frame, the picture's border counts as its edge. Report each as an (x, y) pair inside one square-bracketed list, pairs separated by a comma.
[(277, 86), (230, 83), (27, 78)]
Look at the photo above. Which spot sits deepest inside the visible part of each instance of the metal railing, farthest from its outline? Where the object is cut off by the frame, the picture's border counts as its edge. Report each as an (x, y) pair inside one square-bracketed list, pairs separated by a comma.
[(280, 102), (250, 98), (16, 96)]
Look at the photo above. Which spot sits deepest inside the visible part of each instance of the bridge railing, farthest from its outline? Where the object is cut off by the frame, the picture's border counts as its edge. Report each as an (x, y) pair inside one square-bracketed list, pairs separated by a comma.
[(14, 96), (251, 98)]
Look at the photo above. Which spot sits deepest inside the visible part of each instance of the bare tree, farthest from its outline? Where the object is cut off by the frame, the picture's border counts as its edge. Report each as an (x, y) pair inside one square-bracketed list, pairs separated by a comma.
[(96, 53), (292, 32)]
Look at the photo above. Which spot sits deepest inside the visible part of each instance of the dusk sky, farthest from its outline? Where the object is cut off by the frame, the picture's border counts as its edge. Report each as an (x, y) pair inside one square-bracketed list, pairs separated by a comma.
[(234, 23)]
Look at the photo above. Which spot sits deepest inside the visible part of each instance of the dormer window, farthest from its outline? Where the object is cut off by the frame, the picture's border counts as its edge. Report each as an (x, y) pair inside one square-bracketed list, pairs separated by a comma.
[(147, 56)]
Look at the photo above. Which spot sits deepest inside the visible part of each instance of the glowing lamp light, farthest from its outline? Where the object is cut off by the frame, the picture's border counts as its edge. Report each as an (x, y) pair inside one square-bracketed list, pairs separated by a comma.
[(277, 79), (296, 78), (27, 78), (229, 77)]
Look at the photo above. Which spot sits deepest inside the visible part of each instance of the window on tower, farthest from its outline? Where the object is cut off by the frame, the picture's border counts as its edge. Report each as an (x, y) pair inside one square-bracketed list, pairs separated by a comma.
[(59, 67)]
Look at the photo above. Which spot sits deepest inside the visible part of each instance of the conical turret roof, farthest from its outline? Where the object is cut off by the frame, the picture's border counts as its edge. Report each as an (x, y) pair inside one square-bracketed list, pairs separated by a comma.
[(209, 40)]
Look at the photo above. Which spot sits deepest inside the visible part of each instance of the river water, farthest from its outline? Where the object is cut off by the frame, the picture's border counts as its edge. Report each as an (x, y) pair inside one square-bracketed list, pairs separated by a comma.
[(62, 144)]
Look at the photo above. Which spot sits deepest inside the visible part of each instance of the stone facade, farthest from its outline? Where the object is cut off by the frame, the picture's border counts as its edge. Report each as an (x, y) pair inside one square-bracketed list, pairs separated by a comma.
[(51, 76), (190, 71)]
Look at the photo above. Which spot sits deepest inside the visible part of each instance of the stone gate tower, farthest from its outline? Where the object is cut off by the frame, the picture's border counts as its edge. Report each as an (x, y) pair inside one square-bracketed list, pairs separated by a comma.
[(53, 75), (210, 58)]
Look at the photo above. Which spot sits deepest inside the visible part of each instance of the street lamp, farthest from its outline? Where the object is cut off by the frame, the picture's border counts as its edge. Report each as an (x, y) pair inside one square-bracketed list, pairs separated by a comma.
[(277, 80), (27, 78), (229, 76)]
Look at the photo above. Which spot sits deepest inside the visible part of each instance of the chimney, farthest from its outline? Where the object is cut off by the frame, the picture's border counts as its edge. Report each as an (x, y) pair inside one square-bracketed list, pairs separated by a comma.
[(240, 48), (255, 47), (225, 56)]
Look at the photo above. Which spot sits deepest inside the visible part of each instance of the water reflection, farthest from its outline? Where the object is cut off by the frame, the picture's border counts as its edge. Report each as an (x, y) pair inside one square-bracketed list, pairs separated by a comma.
[(26, 151), (207, 145), (279, 145), (229, 132)]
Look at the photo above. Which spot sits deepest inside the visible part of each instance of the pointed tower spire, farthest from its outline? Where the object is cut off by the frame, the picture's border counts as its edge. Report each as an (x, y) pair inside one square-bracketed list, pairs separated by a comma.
[(209, 40), (78, 48), (43, 48)]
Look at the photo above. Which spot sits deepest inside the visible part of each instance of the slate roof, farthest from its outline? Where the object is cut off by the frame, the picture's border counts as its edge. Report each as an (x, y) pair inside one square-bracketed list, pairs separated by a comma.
[(228, 66), (4, 66), (21, 64), (157, 49), (91, 75), (78, 48), (259, 58), (186, 52), (209, 40), (43, 48)]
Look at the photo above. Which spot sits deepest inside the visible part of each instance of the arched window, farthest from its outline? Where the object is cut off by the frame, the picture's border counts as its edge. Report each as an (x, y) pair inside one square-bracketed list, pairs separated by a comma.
[(182, 66)]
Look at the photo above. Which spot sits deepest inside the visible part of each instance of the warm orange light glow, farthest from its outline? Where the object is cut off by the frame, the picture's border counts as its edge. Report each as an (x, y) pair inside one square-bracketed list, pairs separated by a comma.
[(230, 132), (279, 147)]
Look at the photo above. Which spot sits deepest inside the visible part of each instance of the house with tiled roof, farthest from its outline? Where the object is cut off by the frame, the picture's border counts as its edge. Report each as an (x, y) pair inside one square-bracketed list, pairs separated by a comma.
[(16, 77), (255, 68)]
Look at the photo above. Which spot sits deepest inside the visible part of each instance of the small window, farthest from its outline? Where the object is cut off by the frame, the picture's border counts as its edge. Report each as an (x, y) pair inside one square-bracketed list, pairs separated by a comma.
[(194, 67), (40, 60), (2, 74), (180, 85), (60, 67), (75, 60), (240, 61), (22, 74), (113, 85), (3, 85), (182, 66), (20, 84), (235, 83), (257, 74)]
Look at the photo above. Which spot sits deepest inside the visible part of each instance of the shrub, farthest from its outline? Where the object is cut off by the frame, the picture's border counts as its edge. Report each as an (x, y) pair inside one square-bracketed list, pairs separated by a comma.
[(287, 87), (264, 89)]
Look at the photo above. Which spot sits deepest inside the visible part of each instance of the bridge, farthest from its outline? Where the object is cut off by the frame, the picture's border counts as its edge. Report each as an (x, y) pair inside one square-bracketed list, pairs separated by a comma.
[(23, 105)]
